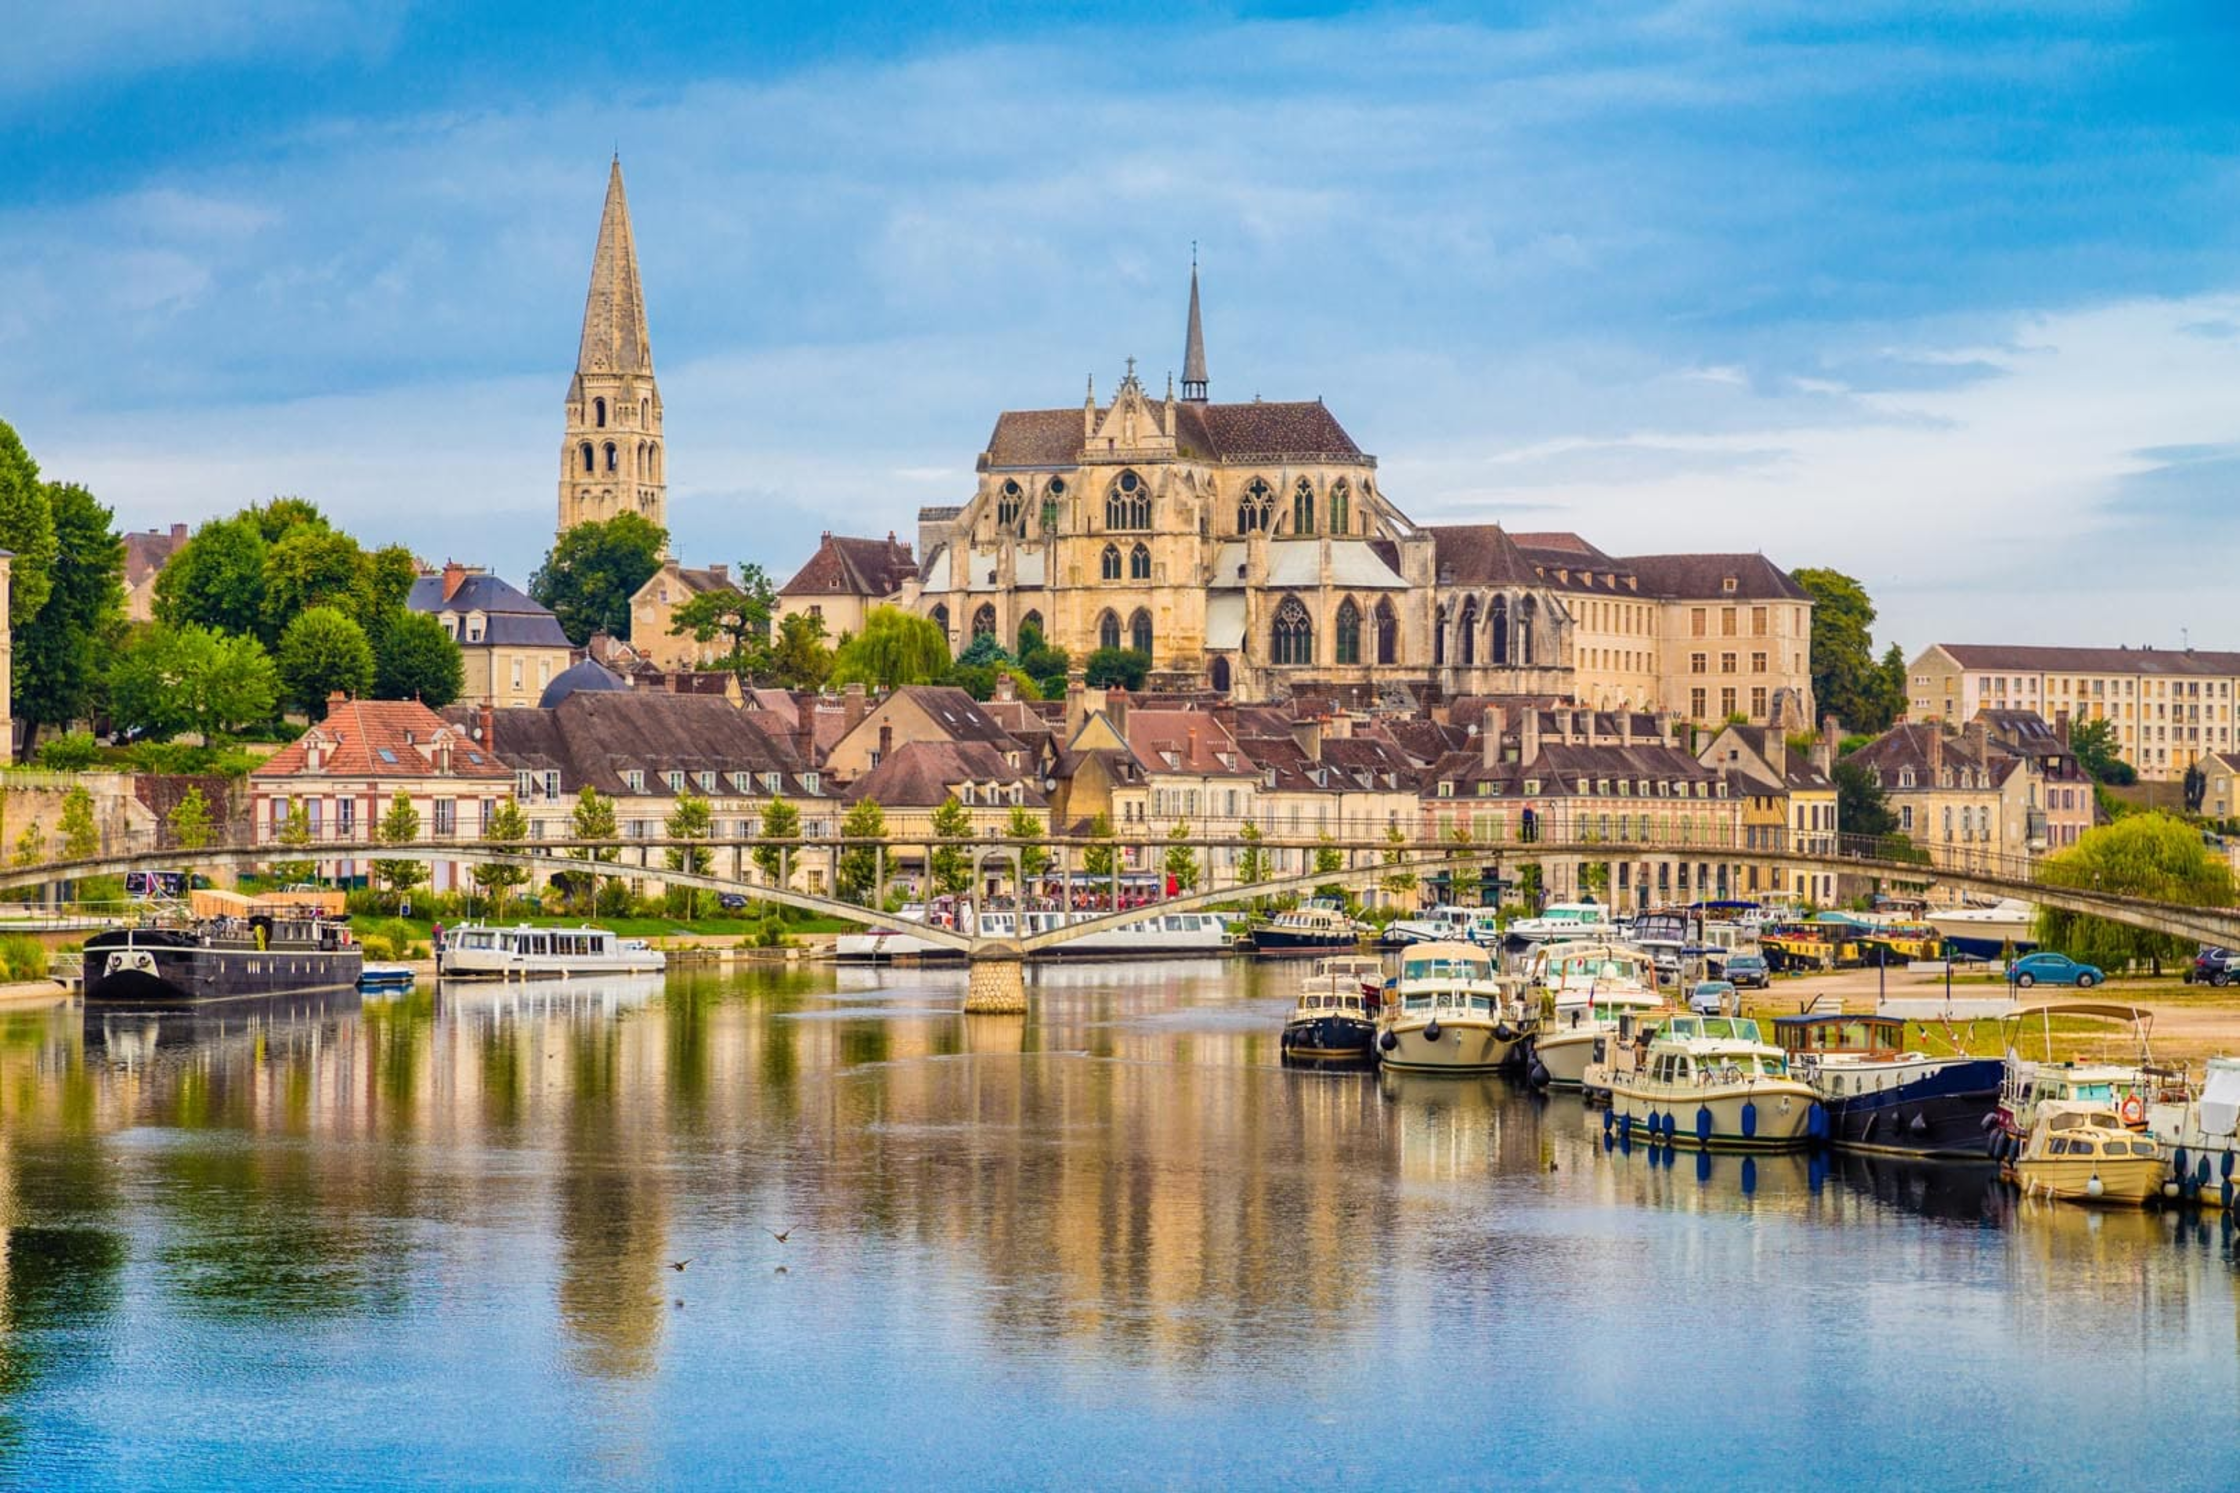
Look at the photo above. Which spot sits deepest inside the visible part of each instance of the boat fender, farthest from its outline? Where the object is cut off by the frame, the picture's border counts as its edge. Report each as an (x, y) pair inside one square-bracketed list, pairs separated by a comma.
[(2094, 1187), (1607, 1122), (1703, 1122), (1749, 1119), (1431, 1032), (2201, 1171), (1991, 1146), (2224, 1162), (1388, 1041), (1815, 1121), (1671, 1126), (1503, 1032), (2171, 1189), (1989, 1122), (2179, 1166), (1539, 1075)]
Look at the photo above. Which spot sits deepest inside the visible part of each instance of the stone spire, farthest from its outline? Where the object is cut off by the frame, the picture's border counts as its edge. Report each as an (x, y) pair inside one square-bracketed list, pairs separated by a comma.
[(1194, 343), (612, 458)]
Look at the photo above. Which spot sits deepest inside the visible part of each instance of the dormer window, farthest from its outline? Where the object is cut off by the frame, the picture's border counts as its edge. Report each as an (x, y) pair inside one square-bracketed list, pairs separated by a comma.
[(1625, 787), (1728, 585), (771, 782), (1446, 788), (1485, 788), (964, 794), (1905, 778), (707, 782), (634, 779), (676, 782), (809, 783), (1532, 787)]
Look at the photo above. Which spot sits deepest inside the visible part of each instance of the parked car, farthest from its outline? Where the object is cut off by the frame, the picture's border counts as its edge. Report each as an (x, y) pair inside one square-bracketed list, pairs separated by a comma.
[(1748, 970), (731, 901), (2048, 968), (1712, 998), (2213, 966)]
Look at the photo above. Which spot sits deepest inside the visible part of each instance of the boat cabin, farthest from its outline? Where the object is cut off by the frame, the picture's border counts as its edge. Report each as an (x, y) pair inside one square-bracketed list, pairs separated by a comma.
[(1826, 1034), (1718, 1065)]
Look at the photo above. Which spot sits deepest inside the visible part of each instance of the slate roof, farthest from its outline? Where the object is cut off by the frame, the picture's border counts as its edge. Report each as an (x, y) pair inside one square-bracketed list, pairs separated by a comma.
[(510, 617), (588, 674), (957, 713), (594, 737), (921, 774), (1562, 765), (2028, 658), (1479, 555), (1704, 577), (1210, 432), (375, 739), (147, 551), (1907, 746), (846, 566)]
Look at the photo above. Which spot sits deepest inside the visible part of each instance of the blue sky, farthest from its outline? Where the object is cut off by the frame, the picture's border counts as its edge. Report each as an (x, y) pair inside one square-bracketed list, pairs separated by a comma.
[(1953, 304)]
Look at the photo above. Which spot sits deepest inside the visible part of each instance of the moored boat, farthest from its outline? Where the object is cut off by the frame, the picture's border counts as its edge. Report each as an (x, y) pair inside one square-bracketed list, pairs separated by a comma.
[(1711, 1081), (1583, 990), (1880, 1097), (475, 951), (270, 952), (1331, 1021), (2200, 1132), (2083, 1152), (2008, 926), (1447, 924), (1587, 919), (386, 977), (1317, 927), (1448, 1012)]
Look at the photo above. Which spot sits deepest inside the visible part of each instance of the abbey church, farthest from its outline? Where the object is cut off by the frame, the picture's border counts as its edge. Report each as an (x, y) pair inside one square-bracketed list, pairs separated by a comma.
[(1249, 549)]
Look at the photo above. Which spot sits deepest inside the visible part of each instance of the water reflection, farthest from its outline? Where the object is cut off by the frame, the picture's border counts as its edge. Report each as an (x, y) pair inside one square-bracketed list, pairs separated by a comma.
[(1122, 1196)]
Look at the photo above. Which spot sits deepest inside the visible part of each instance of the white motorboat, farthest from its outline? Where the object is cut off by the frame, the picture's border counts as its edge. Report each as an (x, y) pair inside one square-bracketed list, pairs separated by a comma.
[(1582, 990), (1589, 919), (1448, 1012), (476, 951), (2202, 1133), (1988, 932), (1711, 1081), (1447, 923), (1152, 934)]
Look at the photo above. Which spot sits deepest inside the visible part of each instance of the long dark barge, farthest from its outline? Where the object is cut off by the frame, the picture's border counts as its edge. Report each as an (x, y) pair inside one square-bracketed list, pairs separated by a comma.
[(221, 959)]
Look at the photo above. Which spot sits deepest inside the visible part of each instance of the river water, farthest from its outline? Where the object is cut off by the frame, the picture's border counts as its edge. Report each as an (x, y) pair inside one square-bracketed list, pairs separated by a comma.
[(1113, 1244)]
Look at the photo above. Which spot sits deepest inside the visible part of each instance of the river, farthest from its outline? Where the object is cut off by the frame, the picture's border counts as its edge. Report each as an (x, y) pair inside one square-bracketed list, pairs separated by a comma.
[(428, 1241)]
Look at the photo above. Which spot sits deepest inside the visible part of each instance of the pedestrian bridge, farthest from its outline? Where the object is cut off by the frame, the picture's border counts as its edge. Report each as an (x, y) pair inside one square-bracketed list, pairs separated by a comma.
[(1366, 864)]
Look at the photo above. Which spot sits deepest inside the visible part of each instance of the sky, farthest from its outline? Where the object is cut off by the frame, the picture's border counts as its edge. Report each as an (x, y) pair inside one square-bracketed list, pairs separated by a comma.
[(1945, 298)]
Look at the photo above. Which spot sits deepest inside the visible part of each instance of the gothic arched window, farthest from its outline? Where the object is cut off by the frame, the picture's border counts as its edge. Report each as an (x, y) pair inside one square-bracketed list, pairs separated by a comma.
[(645, 412), (1110, 564), (1499, 649), (599, 413), (1010, 503), (1108, 631), (1139, 564), (1139, 632), (984, 621), (590, 464), (611, 459), (1291, 636), (1256, 509), (1466, 633), (1341, 508), (1348, 631), (1439, 638), (1388, 633), (1128, 504), (939, 617), (1527, 610), (1302, 508), (1218, 675), (1032, 622)]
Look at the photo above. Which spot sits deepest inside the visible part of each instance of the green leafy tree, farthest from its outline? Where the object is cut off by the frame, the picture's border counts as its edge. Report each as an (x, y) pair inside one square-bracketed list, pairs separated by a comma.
[(894, 649), (62, 656), (1398, 880), (984, 651), (399, 826), (592, 819), (189, 821), (595, 569), (1122, 666), (740, 615), (81, 837), (691, 819), (1846, 681), (1181, 861), (799, 658), (1028, 828), (30, 845), (26, 530), (171, 679), (2100, 753), (322, 651), (1861, 808), (2195, 787), (385, 578), (1045, 665), (1100, 856), (310, 567), (952, 867), (2140, 855), (1252, 861), (508, 828), (1594, 879), (74, 751), (858, 875), (295, 833), (1329, 860), (780, 821), (414, 658), (216, 579), (277, 518)]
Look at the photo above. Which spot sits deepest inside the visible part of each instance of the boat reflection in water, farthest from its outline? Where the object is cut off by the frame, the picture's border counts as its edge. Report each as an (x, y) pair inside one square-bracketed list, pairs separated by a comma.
[(130, 1038)]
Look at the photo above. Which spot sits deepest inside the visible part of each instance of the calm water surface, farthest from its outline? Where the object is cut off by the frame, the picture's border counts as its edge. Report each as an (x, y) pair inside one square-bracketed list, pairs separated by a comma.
[(426, 1241)]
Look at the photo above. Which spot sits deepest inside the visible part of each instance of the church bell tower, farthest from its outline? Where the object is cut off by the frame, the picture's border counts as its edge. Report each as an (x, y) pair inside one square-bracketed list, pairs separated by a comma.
[(612, 460)]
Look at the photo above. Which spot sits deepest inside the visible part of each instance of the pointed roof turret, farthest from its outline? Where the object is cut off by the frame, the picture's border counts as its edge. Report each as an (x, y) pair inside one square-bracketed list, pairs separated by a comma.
[(614, 313), (1194, 343)]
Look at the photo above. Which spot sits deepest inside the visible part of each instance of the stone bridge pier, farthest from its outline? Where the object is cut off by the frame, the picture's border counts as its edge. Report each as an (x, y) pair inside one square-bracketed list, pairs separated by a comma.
[(996, 981)]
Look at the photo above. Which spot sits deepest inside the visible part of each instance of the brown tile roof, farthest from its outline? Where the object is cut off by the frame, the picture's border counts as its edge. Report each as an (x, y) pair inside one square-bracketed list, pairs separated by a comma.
[(1907, 746), (1562, 542), (921, 774), (147, 551), (957, 713), (1479, 555), (1704, 577), (1191, 741), (592, 738), (2029, 658), (1215, 432), (382, 739), (847, 566)]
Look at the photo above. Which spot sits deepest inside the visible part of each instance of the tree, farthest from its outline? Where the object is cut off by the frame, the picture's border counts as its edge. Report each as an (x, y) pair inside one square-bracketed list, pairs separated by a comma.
[(1122, 666), (689, 820), (216, 580), (73, 751), (799, 658), (780, 821), (1329, 860), (321, 652), (1182, 861), (189, 820), (894, 649), (2196, 787), (740, 615), (414, 658), (951, 869), (1028, 827), (858, 875), (2140, 855), (1100, 856), (26, 530), (1860, 807), (311, 566), (295, 832), (172, 679), (2099, 753), (507, 828), (984, 651), (81, 837), (276, 518), (593, 819), (593, 571), (61, 656), (399, 826), (1045, 665), (1398, 880), (1846, 681), (1252, 861)]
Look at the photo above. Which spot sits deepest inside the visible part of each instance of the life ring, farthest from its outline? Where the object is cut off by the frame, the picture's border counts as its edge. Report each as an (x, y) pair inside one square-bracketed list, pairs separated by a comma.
[(2134, 1110)]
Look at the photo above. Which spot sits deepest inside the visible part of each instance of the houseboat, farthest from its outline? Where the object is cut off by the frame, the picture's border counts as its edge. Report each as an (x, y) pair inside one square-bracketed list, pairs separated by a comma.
[(1880, 1097), (1711, 1081), (1152, 934), (475, 951), (1564, 1046), (1447, 1012), (1316, 927), (2127, 1081), (1331, 1021), (267, 951)]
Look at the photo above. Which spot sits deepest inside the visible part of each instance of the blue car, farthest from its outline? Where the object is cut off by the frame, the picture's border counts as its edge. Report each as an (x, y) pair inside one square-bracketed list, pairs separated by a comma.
[(2052, 969)]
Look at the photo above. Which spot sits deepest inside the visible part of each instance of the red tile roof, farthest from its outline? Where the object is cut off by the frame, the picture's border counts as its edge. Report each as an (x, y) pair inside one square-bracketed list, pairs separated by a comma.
[(382, 739)]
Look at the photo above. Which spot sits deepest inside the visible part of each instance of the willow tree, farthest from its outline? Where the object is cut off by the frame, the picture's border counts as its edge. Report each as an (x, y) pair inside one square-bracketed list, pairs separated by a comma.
[(2156, 856), (895, 648)]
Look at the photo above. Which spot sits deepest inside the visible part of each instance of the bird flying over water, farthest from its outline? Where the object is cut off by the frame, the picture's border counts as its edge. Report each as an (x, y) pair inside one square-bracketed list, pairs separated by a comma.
[(678, 1265), (781, 1238)]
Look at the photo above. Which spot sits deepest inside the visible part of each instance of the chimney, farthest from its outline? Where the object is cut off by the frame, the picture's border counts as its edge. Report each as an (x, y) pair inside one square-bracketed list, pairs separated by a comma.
[(454, 576), (2061, 726), (1936, 752), (1979, 741), (721, 572), (1776, 747), (805, 728), (1830, 745), (489, 728), (852, 707), (1116, 708), (886, 742), (1582, 727), (1528, 740), (1077, 701), (1490, 731), (1006, 688), (1625, 725), (1308, 734), (178, 533)]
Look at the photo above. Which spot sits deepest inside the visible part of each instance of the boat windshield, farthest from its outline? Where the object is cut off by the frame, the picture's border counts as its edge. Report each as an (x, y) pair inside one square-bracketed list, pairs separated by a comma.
[(1446, 967)]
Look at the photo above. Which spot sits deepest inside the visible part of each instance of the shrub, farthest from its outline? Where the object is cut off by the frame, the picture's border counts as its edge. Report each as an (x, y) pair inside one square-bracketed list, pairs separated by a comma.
[(613, 900), (376, 946), (74, 752), (23, 957)]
